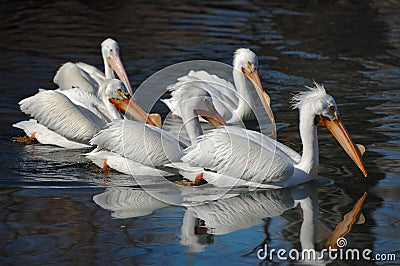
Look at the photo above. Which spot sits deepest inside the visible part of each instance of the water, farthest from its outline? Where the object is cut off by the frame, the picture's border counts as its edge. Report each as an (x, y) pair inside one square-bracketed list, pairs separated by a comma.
[(50, 210)]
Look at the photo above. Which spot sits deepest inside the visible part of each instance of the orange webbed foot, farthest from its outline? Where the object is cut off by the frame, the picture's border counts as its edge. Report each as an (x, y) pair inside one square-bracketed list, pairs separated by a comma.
[(26, 140)]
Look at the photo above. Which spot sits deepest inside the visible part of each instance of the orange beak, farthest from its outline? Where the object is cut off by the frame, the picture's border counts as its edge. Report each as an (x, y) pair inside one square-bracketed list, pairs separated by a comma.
[(264, 97), (128, 106), (211, 115), (336, 127), (134, 111), (115, 62)]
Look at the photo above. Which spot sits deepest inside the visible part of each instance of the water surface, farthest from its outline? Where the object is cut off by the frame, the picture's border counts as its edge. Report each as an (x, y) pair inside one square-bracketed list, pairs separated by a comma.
[(51, 211)]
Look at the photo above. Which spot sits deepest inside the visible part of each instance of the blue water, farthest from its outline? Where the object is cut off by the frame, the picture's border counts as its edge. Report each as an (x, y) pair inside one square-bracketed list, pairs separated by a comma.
[(50, 209)]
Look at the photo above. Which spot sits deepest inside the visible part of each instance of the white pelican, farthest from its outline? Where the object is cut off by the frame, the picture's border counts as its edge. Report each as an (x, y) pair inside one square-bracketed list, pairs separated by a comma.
[(132, 147), (231, 156), (233, 101), (87, 77), (70, 118)]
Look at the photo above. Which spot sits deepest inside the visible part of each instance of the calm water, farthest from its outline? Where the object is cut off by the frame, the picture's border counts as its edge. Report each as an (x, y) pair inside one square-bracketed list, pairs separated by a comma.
[(58, 208)]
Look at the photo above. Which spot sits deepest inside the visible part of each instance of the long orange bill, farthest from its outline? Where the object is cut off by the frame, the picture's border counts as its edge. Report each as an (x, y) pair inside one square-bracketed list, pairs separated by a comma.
[(264, 97), (336, 127), (134, 111), (116, 64), (211, 115)]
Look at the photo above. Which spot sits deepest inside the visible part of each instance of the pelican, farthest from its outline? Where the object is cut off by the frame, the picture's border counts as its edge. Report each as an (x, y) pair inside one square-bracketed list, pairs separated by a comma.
[(127, 145), (232, 156), (70, 118), (87, 77), (233, 101)]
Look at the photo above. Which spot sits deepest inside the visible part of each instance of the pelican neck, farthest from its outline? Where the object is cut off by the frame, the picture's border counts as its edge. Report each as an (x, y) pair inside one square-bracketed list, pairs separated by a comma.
[(308, 133), (244, 96)]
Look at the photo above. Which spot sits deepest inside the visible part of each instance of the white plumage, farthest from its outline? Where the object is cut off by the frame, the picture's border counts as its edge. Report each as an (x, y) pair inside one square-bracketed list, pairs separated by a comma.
[(136, 143), (87, 77), (234, 102), (79, 75), (237, 157), (139, 142), (55, 111), (72, 116), (46, 136), (223, 149)]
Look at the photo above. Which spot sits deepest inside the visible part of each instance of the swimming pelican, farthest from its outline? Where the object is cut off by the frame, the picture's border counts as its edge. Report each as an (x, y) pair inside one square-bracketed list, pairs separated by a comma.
[(70, 118), (126, 145), (232, 156), (87, 77), (233, 101)]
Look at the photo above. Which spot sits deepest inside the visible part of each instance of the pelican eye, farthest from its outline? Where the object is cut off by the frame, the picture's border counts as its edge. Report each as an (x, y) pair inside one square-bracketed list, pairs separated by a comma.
[(122, 94), (333, 111), (250, 66)]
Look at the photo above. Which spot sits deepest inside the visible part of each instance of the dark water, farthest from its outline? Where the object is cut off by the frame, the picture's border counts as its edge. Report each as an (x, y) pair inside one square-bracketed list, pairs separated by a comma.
[(51, 208)]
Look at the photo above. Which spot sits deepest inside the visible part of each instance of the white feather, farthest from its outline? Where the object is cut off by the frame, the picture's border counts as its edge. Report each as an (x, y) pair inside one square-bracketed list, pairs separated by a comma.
[(77, 75), (224, 151), (224, 94), (139, 142), (234, 102), (55, 111), (47, 136), (88, 101), (123, 164)]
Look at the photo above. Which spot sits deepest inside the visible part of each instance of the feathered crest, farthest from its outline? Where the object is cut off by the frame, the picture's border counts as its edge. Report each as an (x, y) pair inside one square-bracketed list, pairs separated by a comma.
[(246, 55), (241, 50), (305, 96)]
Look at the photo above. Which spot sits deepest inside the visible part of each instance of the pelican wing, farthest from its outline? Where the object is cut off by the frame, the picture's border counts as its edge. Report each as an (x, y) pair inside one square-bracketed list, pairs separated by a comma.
[(139, 142), (224, 93), (88, 101), (55, 111), (238, 154), (269, 143), (71, 75), (92, 71), (46, 136), (124, 165)]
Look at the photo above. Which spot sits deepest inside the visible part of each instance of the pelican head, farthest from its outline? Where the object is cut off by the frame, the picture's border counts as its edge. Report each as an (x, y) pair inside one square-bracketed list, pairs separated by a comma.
[(116, 93), (246, 58), (316, 102), (112, 92), (112, 62), (113, 88), (246, 61), (200, 104)]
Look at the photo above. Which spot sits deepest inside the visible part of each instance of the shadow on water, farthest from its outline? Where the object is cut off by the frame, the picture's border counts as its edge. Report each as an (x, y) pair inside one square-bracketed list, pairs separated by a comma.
[(49, 196)]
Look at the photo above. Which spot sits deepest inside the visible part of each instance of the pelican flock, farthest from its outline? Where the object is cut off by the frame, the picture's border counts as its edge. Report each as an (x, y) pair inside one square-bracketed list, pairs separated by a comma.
[(233, 101), (92, 108), (132, 147), (83, 104), (70, 118)]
